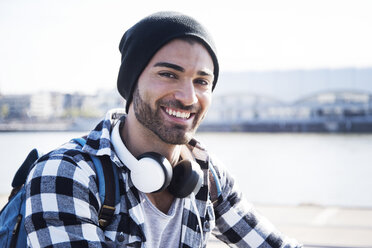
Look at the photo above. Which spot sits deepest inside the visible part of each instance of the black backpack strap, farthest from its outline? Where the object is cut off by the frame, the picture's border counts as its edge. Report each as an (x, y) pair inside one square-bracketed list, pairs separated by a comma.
[(107, 185), (21, 175), (108, 207), (214, 184), (212, 188)]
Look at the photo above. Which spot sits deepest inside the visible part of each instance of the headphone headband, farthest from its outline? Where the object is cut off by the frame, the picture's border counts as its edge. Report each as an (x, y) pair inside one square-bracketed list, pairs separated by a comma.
[(121, 150)]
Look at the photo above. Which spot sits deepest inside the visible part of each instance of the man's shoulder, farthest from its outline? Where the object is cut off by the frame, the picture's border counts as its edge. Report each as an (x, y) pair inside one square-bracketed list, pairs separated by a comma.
[(69, 149), (67, 157)]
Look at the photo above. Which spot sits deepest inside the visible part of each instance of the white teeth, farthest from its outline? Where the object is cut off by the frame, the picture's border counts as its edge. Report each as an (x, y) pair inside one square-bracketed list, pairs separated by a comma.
[(184, 115)]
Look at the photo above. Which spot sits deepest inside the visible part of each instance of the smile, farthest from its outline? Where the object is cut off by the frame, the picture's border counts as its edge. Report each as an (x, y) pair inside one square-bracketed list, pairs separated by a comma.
[(178, 113)]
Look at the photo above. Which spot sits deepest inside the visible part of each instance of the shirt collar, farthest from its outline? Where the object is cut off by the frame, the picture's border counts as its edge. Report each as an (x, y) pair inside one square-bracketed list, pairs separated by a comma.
[(98, 140)]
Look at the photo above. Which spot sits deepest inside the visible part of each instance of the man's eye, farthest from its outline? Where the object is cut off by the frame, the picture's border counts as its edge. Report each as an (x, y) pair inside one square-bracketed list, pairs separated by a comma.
[(202, 82), (167, 74)]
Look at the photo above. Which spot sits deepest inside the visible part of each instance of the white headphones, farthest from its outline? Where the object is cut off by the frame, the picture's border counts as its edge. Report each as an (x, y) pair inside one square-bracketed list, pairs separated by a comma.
[(152, 172)]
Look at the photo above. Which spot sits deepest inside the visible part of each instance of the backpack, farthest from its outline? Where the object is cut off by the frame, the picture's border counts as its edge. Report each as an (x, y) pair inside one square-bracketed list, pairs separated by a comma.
[(12, 230)]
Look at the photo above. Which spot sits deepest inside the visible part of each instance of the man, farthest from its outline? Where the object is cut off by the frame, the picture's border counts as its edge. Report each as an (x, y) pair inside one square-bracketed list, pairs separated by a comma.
[(168, 71)]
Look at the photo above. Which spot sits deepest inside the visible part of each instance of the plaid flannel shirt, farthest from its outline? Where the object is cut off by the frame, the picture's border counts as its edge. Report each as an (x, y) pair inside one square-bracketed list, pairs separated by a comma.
[(62, 204)]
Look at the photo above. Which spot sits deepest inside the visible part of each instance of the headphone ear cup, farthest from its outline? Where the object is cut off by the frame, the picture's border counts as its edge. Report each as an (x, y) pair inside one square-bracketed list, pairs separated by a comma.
[(187, 178), (152, 174)]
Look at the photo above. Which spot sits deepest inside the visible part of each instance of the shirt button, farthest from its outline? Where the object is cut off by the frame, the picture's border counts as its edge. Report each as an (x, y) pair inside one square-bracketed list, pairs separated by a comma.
[(120, 237), (207, 225)]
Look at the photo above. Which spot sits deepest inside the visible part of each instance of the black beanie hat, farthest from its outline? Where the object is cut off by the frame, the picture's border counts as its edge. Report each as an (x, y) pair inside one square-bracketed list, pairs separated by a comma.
[(140, 43)]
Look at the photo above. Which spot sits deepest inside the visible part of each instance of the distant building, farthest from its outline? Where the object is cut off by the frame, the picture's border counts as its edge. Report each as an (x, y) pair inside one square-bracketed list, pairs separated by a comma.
[(14, 106), (97, 105), (73, 101), (41, 106), (46, 105)]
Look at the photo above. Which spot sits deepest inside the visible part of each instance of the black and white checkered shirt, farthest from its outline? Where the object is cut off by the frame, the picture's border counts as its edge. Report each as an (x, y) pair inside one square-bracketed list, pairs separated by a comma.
[(62, 204)]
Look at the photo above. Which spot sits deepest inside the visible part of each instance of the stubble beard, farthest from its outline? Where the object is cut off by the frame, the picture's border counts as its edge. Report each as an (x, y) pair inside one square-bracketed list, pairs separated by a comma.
[(154, 121)]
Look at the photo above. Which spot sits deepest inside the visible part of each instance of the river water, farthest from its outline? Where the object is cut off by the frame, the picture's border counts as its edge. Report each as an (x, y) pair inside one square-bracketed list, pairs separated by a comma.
[(280, 168)]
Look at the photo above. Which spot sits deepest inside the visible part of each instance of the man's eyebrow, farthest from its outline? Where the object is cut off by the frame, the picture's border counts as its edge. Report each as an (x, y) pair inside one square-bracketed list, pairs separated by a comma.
[(205, 73), (169, 65), (181, 69)]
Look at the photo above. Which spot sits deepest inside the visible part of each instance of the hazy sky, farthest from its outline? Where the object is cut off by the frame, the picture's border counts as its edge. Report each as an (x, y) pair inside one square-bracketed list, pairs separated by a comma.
[(72, 45)]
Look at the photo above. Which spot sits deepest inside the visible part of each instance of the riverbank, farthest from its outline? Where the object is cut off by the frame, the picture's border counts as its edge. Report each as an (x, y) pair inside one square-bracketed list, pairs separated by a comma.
[(55, 125), (361, 125), (314, 226)]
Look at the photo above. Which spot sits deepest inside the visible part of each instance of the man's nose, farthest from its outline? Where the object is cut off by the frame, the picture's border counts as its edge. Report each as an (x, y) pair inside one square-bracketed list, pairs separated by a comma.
[(186, 93)]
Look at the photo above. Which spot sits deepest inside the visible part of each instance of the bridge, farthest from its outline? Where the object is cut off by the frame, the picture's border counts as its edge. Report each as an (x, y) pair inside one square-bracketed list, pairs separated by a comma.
[(330, 111)]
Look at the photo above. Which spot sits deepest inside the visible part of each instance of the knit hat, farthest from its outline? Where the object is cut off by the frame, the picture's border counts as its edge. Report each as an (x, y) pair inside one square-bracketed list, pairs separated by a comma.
[(140, 43)]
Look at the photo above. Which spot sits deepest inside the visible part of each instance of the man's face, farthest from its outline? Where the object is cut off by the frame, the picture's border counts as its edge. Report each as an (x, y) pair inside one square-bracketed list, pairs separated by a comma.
[(174, 91)]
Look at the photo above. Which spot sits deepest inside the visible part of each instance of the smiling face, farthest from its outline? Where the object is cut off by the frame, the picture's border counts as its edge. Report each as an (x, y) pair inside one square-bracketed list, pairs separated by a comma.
[(174, 91)]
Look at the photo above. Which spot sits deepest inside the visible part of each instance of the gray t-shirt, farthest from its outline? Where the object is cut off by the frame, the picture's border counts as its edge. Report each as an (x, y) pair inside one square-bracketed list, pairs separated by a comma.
[(162, 230)]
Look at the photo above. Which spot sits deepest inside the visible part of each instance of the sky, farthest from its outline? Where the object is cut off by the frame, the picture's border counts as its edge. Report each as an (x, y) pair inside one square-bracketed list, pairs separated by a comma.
[(72, 45)]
